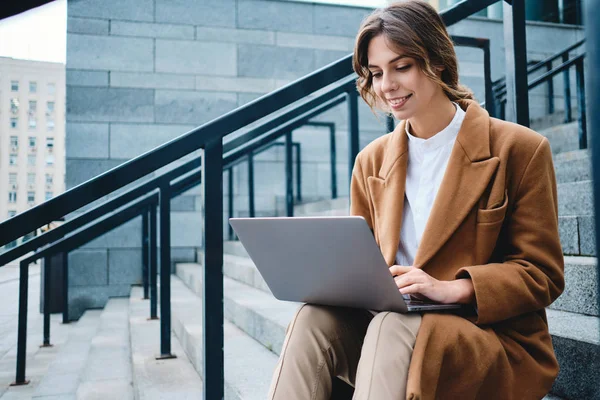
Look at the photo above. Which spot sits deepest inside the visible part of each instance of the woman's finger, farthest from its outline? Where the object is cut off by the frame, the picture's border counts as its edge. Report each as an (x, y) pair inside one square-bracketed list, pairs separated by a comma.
[(400, 269)]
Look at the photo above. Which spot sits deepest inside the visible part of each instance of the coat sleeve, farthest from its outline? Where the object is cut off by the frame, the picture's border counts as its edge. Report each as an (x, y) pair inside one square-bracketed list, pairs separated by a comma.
[(360, 202), (532, 274)]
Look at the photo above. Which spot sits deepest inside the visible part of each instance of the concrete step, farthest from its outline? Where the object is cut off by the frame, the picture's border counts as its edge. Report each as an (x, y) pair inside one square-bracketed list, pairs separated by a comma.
[(581, 287), (573, 166), (158, 379), (575, 199), (576, 340), (578, 235), (563, 137), (332, 207), (248, 365), (108, 373), (265, 319)]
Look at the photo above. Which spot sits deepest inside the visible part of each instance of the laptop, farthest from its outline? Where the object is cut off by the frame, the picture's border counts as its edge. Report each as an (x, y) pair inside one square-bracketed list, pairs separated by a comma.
[(325, 260)]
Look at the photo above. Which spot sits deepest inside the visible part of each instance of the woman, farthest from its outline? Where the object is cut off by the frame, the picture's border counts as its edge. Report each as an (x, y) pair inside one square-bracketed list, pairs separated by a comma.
[(464, 209)]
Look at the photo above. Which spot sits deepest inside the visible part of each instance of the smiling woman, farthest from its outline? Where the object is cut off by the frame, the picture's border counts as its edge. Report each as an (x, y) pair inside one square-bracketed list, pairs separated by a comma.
[(464, 210)]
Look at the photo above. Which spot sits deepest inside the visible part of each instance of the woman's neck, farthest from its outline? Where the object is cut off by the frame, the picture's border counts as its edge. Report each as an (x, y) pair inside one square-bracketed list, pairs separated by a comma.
[(433, 119)]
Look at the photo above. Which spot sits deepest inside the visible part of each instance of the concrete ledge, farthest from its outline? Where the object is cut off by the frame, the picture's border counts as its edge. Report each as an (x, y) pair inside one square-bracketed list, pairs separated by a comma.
[(158, 379), (581, 287), (248, 365), (575, 198)]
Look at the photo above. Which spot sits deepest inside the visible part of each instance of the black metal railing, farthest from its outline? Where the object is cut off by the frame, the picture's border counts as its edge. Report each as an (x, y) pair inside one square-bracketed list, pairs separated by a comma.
[(335, 79), (576, 62)]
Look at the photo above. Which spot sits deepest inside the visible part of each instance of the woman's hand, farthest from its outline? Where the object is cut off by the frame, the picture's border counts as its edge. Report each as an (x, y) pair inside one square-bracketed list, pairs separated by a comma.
[(415, 281)]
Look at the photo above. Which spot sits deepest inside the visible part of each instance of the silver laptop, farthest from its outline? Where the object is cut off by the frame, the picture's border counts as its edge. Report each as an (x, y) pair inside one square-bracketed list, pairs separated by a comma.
[(324, 260)]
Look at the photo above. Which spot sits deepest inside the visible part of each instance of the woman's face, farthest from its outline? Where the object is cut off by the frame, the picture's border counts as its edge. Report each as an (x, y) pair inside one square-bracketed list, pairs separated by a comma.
[(399, 83)]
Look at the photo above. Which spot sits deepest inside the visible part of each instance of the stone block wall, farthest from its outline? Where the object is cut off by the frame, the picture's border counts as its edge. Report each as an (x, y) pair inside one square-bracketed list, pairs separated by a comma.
[(141, 72)]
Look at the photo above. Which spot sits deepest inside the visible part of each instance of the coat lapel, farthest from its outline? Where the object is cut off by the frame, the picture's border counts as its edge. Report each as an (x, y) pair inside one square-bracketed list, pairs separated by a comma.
[(467, 175), (387, 194)]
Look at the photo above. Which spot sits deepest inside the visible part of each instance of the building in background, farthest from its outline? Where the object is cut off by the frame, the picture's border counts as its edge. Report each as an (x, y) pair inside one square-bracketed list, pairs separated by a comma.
[(32, 133)]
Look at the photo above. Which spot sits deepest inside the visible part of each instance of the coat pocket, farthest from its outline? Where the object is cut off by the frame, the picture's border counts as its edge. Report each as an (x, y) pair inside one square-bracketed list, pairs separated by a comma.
[(493, 215)]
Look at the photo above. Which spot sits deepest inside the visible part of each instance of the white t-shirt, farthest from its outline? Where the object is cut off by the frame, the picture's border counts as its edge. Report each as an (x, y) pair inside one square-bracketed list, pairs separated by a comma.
[(427, 162)]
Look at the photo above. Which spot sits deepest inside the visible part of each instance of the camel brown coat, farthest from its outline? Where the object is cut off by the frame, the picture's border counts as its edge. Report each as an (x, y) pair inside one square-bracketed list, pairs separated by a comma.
[(495, 221)]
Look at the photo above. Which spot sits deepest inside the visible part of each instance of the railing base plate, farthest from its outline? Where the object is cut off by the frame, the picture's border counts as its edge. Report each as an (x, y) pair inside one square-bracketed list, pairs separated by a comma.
[(152, 319), (165, 357), (46, 345), (26, 382)]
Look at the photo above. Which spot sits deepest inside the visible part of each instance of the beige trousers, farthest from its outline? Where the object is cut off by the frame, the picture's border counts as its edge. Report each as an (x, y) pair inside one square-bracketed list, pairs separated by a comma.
[(370, 352)]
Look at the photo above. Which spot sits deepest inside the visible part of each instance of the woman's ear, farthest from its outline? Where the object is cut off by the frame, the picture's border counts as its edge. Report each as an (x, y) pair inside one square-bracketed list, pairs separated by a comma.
[(439, 69)]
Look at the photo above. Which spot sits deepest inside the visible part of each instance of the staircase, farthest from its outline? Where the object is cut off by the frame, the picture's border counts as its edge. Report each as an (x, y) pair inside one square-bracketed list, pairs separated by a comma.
[(110, 353)]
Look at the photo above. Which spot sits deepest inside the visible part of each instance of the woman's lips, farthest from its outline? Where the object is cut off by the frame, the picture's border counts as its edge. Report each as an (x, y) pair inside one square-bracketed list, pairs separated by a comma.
[(398, 102)]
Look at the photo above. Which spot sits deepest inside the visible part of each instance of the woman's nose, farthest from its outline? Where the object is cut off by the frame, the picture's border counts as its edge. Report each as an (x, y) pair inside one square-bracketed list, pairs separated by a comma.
[(388, 84)]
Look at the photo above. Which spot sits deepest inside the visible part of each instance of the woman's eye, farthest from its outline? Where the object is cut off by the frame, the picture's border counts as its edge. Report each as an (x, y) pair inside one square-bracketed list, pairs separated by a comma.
[(376, 74), (403, 68)]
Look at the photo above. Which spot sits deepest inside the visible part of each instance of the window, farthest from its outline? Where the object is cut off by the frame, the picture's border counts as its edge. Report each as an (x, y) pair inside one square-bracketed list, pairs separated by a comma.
[(12, 179), (12, 213), (14, 106), (32, 123), (51, 88), (32, 142), (50, 124), (32, 107), (31, 160), (32, 87), (49, 107), (49, 195), (50, 144), (50, 160), (12, 197), (31, 179), (49, 179), (14, 141), (14, 122), (14, 86), (31, 197), (12, 159)]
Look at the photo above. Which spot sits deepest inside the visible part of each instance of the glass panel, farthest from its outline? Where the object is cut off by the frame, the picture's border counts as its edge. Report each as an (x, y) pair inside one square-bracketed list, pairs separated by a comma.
[(32, 123), (12, 179), (12, 197), (30, 179), (49, 179), (14, 141), (12, 159), (14, 106), (32, 107), (49, 195), (50, 160), (32, 141), (50, 107), (12, 213), (49, 142), (51, 88), (14, 122), (50, 124), (14, 86), (30, 197), (31, 160), (32, 87)]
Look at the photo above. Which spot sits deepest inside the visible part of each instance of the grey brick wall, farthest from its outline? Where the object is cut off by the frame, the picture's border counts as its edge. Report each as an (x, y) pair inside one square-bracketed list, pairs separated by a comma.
[(141, 72)]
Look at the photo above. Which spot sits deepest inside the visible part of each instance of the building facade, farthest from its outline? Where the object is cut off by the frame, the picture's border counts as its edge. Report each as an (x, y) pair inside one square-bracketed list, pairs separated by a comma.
[(32, 133)]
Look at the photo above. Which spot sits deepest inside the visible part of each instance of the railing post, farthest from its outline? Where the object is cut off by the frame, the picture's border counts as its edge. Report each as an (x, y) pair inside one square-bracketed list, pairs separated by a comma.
[(65, 268), (153, 263), (251, 208), (289, 175), (567, 91), (487, 76), (230, 199), (145, 253), (22, 330), (333, 161), (517, 92), (550, 90), (353, 144), (47, 266), (389, 123), (165, 272), (212, 174), (298, 172), (592, 30), (581, 104)]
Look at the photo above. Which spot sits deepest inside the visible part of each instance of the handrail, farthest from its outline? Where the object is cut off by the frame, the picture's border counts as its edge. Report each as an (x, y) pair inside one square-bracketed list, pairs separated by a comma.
[(539, 65), (130, 171), (96, 212)]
